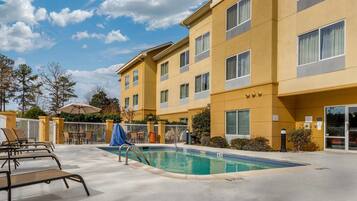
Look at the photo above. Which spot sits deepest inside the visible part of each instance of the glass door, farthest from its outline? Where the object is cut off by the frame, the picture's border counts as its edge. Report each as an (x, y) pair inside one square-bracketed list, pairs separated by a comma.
[(352, 128), (335, 130)]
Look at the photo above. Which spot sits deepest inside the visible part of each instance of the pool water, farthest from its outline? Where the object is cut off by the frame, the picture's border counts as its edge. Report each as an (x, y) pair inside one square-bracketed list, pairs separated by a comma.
[(195, 162)]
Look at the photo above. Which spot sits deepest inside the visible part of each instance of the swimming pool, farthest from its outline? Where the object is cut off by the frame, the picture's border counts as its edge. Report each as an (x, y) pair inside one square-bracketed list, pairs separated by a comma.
[(198, 162)]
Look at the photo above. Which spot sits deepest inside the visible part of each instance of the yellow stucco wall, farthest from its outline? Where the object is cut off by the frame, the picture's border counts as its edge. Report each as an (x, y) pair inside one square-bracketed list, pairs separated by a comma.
[(172, 83), (293, 23)]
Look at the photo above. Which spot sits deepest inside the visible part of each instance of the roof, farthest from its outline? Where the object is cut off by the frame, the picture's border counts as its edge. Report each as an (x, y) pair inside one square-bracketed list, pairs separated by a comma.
[(197, 14), (172, 48), (141, 56)]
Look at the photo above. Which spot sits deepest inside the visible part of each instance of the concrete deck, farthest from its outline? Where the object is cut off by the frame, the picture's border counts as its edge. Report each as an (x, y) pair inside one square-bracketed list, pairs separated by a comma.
[(330, 177)]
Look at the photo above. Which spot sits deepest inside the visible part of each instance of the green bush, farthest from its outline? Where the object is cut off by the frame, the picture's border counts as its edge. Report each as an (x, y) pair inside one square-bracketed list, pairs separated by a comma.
[(201, 124), (34, 113), (90, 117), (218, 142), (239, 143), (310, 147), (300, 138), (255, 144)]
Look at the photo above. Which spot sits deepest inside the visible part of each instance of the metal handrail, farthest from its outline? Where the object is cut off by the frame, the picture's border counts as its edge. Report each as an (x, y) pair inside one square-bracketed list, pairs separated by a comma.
[(138, 153)]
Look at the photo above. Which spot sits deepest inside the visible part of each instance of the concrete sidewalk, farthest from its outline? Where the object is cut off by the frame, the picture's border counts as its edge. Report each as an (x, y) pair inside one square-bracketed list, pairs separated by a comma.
[(330, 177)]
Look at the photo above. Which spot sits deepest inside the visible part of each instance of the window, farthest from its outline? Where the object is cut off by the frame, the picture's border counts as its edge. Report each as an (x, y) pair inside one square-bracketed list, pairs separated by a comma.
[(322, 44), (184, 91), (164, 69), (184, 58), (238, 14), (135, 76), (202, 43), (202, 83), (238, 66), (135, 100), (237, 122), (127, 100), (164, 96), (127, 81)]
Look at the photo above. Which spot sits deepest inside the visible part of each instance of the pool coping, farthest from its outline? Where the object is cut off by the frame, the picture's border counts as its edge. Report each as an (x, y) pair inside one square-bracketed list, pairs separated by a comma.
[(221, 176)]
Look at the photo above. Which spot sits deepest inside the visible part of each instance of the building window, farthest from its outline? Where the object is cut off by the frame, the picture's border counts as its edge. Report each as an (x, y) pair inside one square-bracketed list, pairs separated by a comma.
[(135, 77), (324, 43), (184, 59), (164, 71), (238, 14), (164, 96), (184, 91), (135, 100), (237, 122), (127, 81), (202, 83), (238, 66), (127, 102), (202, 43)]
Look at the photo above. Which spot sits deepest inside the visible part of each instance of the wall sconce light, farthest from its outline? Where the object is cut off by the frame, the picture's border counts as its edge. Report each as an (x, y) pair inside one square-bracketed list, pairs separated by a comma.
[(247, 95), (260, 93), (254, 94)]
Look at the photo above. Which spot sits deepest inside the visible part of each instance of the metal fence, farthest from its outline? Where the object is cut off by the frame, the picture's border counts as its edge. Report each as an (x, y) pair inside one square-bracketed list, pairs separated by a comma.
[(85, 132), (31, 128)]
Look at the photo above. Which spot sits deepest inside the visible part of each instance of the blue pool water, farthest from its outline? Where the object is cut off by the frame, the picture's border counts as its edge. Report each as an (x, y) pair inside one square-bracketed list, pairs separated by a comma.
[(196, 162)]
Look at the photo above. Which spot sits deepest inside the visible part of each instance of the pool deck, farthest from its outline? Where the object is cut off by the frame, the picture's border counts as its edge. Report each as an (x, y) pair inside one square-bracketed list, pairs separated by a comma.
[(331, 176)]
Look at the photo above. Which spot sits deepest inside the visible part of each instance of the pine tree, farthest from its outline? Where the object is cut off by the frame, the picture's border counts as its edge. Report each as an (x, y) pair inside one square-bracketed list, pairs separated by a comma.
[(27, 87), (6, 81)]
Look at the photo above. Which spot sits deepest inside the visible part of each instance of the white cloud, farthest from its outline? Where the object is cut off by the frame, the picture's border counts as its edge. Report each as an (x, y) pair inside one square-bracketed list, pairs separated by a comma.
[(154, 13), (111, 37), (115, 51), (21, 10), (103, 77), (84, 46), (20, 37), (66, 16), (115, 35), (100, 26), (19, 60)]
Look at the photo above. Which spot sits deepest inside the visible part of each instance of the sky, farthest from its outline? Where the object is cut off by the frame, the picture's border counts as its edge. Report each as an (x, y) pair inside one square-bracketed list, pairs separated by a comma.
[(89, 38)]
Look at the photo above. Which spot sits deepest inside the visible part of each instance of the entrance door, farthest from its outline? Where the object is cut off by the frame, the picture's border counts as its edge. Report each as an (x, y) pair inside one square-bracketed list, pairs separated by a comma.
[(352, 128), (335, 130)]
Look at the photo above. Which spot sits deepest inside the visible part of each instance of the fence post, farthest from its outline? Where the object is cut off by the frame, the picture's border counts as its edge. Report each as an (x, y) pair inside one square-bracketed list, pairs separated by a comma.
[(44, 128), (59, 122), (10, 119), (108, 130), (161, 131)]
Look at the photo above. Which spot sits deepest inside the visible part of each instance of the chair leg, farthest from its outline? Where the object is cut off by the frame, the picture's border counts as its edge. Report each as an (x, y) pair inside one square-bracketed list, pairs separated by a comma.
[(65, 182), (84, 184), (9, 194)]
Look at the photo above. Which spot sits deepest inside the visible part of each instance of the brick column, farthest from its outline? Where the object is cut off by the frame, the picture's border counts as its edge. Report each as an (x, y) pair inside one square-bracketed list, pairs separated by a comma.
[(10, 119), (161, 131), (59, 129), (44, 128), (108, 130)]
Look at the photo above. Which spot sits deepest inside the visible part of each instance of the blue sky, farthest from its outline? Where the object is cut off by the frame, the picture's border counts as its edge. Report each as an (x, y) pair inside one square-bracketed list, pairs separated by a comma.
[(88, 37)]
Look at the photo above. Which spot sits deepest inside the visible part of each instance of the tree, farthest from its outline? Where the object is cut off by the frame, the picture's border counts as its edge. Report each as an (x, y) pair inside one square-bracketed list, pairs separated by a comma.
[(6, 80), (34, 113), (101, 100), (59, 86), (27, 87), (201, 124)]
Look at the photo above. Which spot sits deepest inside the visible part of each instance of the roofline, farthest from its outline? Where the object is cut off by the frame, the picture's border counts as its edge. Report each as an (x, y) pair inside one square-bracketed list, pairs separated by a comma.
[(172, 48), (197, 14), (141, 56)]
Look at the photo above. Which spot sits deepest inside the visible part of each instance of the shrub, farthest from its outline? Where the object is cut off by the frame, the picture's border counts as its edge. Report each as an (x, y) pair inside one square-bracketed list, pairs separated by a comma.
[(205, 139), (201, 124), (300, 139), (218, 142), (310, 147), (255, 144), (239, 143), (34, 113)]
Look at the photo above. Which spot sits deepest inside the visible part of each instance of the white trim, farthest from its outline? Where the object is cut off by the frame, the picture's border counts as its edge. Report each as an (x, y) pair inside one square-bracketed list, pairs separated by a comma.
[(319, 46)]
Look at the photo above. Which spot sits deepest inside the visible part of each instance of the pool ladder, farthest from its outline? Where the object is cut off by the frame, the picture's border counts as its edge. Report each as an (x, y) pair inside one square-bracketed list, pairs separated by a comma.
[(132, 148)]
